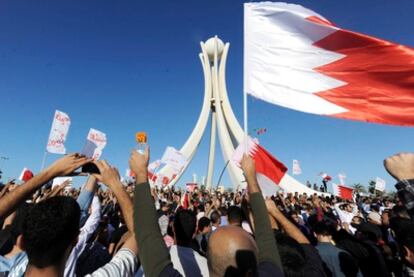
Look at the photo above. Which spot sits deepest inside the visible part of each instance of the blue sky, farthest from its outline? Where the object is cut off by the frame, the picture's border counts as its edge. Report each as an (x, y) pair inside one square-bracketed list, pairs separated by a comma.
[(126, 66)]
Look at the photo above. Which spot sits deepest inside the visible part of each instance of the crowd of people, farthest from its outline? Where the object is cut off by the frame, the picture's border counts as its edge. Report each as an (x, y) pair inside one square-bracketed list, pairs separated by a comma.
[(111, 228)]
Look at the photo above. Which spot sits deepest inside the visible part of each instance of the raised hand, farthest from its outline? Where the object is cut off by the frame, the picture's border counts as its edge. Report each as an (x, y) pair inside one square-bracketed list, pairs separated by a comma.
[(139, 165), (108, 175), (400, 166), (67, 164), (248, 166)]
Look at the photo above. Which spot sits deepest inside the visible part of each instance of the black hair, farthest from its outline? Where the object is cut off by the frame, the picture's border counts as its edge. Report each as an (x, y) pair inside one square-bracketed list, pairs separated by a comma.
[(235, 215), (51, 226), (292, 255), (184, 226), (405, 237), (16, 228), (215, 217), (203, 223), (322, 228)]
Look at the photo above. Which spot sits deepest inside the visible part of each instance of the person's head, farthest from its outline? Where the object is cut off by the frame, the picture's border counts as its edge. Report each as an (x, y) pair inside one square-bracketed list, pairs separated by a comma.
[(375, 208), (237, 199), (374, 218), (385, 218), (184, 227), (50, 231), (322, 231), (208, 205), (232, 252), (401, 211), (16, 228), (295, 217), (235, 216), (215, 218), (356, 220), (204, 225), (348, 208), (292, 255), (405, 239), (165, 207)]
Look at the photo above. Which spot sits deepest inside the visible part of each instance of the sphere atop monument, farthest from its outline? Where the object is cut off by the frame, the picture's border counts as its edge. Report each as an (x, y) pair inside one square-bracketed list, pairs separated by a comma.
[(210, 44)]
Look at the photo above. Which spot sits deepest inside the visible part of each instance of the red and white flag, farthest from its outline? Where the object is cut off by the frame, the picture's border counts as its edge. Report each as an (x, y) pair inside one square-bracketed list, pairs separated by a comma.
[(271, 173), (58, 133), (342, 191), (174, 158), (325, 176), (26, 175), (296, 58)]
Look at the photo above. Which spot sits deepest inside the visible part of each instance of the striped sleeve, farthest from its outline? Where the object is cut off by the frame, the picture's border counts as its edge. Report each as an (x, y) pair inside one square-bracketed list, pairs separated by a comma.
[(123, 264)]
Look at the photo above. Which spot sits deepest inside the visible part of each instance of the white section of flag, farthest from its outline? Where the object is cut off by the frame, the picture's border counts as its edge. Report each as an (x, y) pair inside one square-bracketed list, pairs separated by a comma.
[(296, 170), (342, 177), (153, 167), (279, 57), (58, 133), (174, 158), (380, 184)]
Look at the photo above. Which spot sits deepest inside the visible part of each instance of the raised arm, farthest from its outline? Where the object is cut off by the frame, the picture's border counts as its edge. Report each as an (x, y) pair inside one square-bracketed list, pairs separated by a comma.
[(268, 251), (290, 229), (85, 197), (154, 254), (110, 176), (62, 167)]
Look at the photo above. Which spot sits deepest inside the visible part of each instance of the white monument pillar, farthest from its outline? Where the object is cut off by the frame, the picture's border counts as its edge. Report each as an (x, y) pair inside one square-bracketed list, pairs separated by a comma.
[(216, 105)]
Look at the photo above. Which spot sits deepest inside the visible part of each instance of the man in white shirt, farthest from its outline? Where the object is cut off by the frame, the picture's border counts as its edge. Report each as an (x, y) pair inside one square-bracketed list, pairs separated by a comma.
[(346, 212)]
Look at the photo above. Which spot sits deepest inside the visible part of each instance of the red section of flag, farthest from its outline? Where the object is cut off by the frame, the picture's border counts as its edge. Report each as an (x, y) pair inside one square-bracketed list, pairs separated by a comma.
[(152, 176), (327, 178), (345, 192), (268, 165), (26, 175), (319, 20), (379, 76), (165, 180), (185, 202)]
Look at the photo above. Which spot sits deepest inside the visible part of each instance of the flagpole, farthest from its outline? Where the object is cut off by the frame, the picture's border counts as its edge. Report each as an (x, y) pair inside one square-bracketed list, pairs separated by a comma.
[(43, 161), (246, 150)]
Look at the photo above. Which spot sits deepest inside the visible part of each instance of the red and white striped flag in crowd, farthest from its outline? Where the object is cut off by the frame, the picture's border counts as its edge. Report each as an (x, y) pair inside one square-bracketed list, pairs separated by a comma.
[(296, 58), (342, 191), (296, 170), (269, 170), (271, 173), (26, 175), (152, 169), (325, 176)]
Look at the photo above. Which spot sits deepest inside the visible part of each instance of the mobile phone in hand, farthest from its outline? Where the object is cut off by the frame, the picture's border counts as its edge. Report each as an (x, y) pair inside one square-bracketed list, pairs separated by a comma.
[(90, 168)]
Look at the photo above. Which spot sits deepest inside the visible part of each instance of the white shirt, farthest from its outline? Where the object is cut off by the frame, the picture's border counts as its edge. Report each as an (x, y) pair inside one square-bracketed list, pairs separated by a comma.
[(186, 261), (123, 264), (85, 233)]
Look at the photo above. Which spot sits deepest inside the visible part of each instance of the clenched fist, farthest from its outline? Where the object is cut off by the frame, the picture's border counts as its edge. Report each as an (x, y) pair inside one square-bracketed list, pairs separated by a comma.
[(400, 166)]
